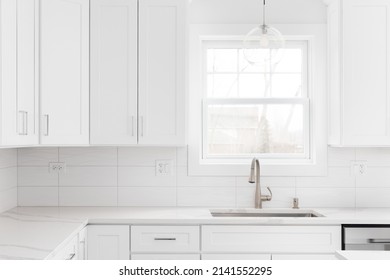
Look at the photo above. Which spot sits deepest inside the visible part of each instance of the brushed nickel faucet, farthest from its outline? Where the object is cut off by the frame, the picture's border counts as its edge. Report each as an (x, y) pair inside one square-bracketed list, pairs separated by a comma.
[(254, 177)]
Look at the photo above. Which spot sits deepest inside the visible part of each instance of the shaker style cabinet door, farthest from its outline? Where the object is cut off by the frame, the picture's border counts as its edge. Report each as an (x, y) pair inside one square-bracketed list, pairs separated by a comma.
[(114, 72), (108, 242), (19, 72), (161, 72), (359, 72), (64, 72)]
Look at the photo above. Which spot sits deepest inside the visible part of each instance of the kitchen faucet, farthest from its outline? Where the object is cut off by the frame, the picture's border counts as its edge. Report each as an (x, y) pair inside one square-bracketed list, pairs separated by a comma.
[(255, 170)]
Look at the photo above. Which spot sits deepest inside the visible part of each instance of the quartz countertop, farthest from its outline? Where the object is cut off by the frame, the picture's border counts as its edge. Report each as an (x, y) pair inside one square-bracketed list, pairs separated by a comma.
[(363, 255), (38, 232)]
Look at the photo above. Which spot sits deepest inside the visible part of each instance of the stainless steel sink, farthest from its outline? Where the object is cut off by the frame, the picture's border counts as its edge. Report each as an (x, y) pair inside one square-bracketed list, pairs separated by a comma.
[(266, 213)]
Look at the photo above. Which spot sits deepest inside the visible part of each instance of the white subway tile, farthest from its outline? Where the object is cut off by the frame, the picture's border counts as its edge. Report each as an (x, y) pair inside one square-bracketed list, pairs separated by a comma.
[(8, 199), (88, 196), (340, 156), (89, 156), (143, 176), (374, 177), (147, 196), (38, 196), (37, 156), (181, 157), (183, 180), (267, 181), (326, 197), (206, 197), (8, 178), (8, 158), (36, 177), (373, 197), (145, 156), (374, 156), (337, 177), (88, 177), (281, 197)]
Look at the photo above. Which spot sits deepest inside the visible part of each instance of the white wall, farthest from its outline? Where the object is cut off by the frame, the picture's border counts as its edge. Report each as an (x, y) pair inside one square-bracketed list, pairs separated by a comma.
[(8, 179), (250, 11), (126, 177)]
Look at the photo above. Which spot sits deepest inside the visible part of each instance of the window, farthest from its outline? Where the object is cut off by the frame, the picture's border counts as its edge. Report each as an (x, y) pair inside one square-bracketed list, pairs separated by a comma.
[(276, 112), (255, 110)]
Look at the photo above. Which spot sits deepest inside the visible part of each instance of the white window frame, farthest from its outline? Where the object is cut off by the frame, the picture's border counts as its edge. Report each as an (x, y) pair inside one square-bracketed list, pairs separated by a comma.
[(316, 163)]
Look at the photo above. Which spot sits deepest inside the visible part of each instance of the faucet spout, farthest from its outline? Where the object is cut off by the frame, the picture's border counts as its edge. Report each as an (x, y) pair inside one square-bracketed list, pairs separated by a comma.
[(254, 177)]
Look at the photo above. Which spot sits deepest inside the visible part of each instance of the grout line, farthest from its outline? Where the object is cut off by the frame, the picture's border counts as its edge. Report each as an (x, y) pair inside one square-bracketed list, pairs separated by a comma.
[(58, 178)]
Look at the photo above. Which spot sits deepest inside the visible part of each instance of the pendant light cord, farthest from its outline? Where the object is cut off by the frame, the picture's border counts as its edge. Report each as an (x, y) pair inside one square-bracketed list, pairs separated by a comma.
[(263, 12)]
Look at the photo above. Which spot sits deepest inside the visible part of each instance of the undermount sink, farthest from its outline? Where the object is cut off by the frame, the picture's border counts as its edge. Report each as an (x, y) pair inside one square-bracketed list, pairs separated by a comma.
[(280, 213)]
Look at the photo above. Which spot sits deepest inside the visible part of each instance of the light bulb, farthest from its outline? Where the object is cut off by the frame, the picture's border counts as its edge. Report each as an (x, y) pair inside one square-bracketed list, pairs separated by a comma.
[(263, 38)]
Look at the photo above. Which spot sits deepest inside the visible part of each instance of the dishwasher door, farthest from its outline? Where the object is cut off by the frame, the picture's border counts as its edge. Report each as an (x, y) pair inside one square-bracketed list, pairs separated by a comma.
[(373, 238)]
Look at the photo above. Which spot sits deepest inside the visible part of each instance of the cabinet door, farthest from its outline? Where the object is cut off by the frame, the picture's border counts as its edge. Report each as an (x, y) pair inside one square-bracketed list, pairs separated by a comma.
[(366, 72), (114, 72), (82, 246), (236, 256), (108, 242), (165, 257), (304, 257), (8, 83), (27, 75), (161, 72), (64, 71)]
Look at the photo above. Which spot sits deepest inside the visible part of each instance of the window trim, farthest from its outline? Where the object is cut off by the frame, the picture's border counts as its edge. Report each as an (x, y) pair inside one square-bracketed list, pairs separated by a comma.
[(315, 35)]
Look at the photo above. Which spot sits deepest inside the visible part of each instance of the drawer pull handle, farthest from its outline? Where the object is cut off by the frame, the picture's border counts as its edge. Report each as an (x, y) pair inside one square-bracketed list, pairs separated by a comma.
[(165, 239), (383, 241), (71, 257)]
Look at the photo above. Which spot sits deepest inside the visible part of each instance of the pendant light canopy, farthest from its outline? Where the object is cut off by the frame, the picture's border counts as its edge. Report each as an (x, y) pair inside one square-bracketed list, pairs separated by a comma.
[(263, 44)]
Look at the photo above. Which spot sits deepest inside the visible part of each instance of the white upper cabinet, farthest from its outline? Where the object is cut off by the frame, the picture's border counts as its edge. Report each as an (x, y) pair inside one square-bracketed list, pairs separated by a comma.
[(114, 72), (19, 72), (359, 72), (161, 72), (137, 72), (64, 72)]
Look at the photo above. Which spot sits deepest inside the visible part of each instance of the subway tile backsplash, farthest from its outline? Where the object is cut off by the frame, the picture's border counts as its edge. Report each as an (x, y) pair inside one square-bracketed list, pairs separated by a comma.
[(126, 176), (8, 179)]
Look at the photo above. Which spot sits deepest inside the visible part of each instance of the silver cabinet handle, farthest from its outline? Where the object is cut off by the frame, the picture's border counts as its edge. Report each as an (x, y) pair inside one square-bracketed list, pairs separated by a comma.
[(22, 123), (46, 120), (379, 241), (165, 238), (71, 257)]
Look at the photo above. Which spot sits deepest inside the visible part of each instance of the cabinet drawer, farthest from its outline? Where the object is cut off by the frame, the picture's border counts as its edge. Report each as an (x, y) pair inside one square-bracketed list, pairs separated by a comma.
[(270, 239), (164, 239)]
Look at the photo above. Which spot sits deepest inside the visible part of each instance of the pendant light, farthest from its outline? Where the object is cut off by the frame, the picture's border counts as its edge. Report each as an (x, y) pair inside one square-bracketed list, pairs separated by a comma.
[(263, 45)]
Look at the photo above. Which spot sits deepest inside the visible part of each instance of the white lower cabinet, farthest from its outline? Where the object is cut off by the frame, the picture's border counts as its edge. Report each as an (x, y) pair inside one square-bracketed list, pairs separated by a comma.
[(165, 256), (82, 244), (304, 257), (67, 252), (236, 256), (282, 242), (212, 242), (108, 242), (165, 239)]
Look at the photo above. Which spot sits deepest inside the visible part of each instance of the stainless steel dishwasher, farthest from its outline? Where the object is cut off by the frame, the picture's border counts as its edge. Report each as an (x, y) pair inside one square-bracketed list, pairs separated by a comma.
[(366, 237)]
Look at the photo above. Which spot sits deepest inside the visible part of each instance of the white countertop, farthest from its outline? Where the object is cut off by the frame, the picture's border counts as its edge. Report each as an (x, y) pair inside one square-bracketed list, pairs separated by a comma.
[(37, 232), (363, 255)]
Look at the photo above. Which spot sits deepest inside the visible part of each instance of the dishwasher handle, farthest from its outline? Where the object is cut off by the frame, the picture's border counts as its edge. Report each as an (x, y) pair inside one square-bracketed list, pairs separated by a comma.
[(378, 241)]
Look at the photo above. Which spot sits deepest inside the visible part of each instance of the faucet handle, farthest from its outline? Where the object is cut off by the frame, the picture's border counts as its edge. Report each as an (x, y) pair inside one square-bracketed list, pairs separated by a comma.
[(267, 197)]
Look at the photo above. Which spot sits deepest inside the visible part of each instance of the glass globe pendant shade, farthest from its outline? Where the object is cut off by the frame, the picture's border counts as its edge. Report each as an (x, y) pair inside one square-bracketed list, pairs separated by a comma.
[(263, 45)]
